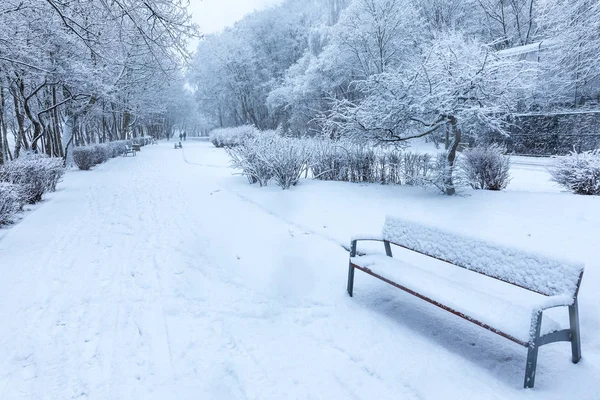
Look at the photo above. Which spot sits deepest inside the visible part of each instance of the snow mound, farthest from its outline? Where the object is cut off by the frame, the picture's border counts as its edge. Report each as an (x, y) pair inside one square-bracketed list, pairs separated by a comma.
[(540, 273)]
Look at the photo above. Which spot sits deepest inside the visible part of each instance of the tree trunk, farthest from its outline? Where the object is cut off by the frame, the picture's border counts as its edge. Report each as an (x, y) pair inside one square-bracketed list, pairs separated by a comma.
[(3, 156), (21, 139), (37, 126), (449, 188)]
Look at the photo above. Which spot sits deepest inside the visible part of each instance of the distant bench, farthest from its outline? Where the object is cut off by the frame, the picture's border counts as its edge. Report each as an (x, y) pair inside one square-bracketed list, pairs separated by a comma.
[(130, 150), (556, 281)]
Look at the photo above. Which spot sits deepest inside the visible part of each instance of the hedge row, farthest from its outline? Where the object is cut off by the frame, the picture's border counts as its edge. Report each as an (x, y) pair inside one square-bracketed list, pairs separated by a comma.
[(25, 180), (266, 156), (86, 157)]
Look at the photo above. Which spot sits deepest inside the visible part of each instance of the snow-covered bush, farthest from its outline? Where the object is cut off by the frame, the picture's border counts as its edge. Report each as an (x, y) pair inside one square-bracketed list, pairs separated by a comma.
[(287, 158), (329, 161), (347, 161), (416, 168), (269, 156), (441, 174), (485, 167), (140, 141), (579, 172), (10, 201), (54, 169), (36, 174), (362, 164), (231, 137), (248, 156), (84, 157), (102, 152)]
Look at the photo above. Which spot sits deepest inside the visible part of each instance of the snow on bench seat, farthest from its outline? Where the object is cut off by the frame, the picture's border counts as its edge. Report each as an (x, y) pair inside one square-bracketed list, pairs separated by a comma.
[(526, 269), (510, 317)]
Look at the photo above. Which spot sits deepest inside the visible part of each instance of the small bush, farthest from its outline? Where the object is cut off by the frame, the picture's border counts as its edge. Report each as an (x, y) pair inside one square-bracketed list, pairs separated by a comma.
[(579, 172), (248, 156), (287, 158), (85, 157), (328, 161), (102, 152), (10, 202), (442, 176), (54, 169), (416, 168), (485, 167), (35, 173), (232, 137)]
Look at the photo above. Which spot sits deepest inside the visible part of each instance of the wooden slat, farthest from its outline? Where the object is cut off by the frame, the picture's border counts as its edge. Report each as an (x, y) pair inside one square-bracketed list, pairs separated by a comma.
[(442, 306)]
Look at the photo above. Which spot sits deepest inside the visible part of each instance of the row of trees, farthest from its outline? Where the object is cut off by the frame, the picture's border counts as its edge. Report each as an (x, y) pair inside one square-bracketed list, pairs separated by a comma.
[(90, 71), (394, 70)]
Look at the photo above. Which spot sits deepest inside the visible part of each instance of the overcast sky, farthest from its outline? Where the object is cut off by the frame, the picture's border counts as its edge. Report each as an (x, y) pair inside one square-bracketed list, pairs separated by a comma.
[(214, 15)]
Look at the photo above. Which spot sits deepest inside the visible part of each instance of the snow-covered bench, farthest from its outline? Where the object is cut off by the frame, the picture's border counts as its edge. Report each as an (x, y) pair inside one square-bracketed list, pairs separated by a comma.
[(129, 150), (554, 283)]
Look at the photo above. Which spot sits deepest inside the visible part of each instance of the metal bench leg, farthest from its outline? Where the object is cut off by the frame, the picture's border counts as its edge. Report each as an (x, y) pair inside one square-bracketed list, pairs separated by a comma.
[(388, 249), (575, 339), (351, 269), (532, 353), (350, 279)]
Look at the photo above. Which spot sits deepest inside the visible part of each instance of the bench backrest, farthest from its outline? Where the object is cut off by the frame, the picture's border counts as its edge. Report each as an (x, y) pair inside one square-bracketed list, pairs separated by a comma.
[(528, 270)]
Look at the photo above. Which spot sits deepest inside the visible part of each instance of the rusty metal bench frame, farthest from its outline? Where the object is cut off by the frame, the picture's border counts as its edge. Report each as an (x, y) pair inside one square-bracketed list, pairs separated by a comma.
[(571, 335)]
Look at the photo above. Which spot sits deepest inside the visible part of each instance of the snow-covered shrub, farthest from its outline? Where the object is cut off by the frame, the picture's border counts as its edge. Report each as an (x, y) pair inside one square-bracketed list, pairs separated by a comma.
[(416, 168), (485, 167), (269, 156), (287, 158), (118, 147), (53, 168), (329, 161), (362, 164), (36, 174), (102, 152), (84, 157), (10, 201), (579, 172), (231, 137), (248, 156), (344, 160), (441, 174)]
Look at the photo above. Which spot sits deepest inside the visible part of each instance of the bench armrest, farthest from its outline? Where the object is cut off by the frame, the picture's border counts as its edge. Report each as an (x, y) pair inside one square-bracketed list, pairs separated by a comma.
[(369, 238), (364, 238), (561, 300)]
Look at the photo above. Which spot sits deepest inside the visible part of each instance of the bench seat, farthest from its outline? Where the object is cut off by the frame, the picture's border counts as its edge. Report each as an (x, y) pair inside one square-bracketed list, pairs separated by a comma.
[(511, 319)]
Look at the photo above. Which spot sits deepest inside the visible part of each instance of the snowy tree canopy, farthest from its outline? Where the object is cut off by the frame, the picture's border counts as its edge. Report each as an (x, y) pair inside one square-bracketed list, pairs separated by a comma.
[(88, 70), (304, 63)]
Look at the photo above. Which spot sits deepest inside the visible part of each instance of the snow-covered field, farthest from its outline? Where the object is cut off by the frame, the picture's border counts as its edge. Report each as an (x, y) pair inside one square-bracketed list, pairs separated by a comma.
[(164, 276)]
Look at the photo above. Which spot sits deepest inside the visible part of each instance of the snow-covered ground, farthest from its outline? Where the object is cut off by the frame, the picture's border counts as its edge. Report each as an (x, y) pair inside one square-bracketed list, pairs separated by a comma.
[(164, 276)]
